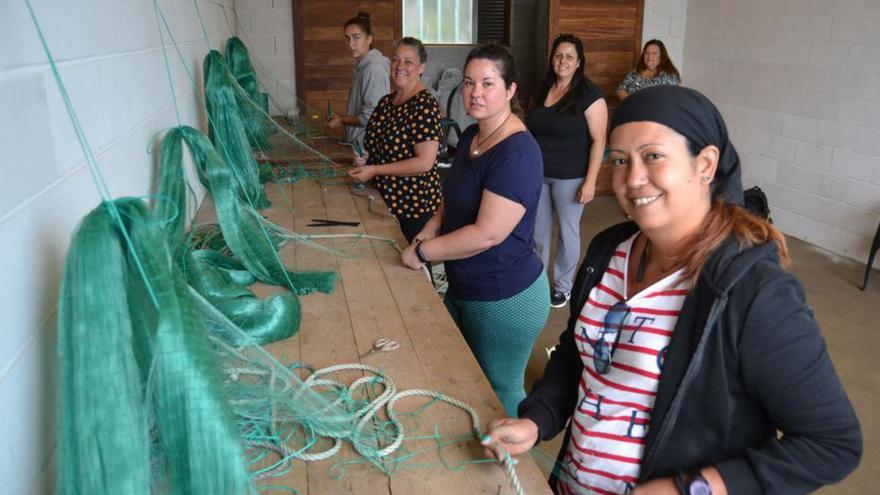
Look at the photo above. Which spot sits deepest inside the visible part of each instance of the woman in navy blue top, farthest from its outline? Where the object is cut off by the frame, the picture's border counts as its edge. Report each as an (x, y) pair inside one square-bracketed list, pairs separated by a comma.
[(498, 292)]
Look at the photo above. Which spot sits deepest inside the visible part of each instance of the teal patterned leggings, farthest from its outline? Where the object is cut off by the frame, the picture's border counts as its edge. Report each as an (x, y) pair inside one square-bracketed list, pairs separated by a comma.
[(501, 335)]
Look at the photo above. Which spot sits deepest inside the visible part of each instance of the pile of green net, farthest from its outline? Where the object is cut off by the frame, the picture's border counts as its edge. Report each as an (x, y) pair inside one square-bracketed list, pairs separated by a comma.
[(160, 391)]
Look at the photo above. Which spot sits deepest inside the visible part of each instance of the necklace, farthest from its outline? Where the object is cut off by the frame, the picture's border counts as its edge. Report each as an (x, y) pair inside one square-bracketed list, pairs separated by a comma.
[(481, 142)]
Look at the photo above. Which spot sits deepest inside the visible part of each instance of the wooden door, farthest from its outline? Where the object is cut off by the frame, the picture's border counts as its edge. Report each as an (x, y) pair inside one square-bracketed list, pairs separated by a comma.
[(323, 66), (612, 34)]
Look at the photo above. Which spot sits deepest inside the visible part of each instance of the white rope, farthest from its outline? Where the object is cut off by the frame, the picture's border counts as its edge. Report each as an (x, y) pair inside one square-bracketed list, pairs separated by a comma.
[(385, 401)]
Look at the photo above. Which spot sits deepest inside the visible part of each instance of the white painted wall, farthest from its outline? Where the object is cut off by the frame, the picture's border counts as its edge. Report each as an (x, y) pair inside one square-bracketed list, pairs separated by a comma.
[(266, 27), (798, 82), (111, 60), (665, 20)]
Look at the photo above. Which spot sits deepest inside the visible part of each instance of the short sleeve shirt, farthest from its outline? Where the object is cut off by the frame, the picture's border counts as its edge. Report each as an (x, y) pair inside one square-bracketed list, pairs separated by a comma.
[(563, 136), (391, 136), (512, 169), (634, 81)]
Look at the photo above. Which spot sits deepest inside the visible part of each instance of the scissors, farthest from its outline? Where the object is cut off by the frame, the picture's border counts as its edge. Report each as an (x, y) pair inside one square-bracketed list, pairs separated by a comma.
[(382, 345), (320, 222)]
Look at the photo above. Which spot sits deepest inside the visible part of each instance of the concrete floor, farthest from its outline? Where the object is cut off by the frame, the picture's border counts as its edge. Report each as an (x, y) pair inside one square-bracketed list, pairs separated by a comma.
[(843, 311)]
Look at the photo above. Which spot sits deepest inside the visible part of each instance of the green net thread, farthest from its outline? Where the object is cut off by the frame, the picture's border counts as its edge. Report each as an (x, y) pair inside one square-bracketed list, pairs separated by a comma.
[(239, 61), (137, 377), (243, 228)]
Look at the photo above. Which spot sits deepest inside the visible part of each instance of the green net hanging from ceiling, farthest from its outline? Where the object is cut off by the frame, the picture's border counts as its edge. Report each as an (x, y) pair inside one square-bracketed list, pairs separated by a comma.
[(239, 61), (141, 402), (222, 279), (259, 147)]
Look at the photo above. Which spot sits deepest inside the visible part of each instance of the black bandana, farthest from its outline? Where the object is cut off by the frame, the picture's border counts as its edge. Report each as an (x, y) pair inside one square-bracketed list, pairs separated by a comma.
[(693, 116)]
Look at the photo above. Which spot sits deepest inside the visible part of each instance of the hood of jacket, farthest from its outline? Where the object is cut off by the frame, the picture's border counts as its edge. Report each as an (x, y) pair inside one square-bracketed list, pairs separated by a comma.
[(374, 56), (731, 261)]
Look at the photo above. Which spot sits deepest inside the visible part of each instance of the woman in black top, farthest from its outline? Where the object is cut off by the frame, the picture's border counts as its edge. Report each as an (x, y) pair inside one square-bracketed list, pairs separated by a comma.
[(568, 119)]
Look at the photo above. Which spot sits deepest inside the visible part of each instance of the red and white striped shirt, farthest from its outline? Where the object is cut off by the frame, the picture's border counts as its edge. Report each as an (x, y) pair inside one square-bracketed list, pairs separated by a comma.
[(613, 414)]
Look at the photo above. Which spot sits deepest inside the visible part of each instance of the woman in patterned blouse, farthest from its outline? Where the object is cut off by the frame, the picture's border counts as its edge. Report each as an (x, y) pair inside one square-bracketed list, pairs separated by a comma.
[(402, 140), (654, 68)]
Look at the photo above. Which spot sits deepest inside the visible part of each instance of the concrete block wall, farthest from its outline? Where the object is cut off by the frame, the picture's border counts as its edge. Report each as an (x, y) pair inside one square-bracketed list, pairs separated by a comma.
[(110, 57), (665, 20), (266, 27), (798, 84)]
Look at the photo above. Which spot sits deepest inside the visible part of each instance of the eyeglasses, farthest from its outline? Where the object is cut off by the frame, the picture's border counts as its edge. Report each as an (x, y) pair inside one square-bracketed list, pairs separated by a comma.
[(606, 342)]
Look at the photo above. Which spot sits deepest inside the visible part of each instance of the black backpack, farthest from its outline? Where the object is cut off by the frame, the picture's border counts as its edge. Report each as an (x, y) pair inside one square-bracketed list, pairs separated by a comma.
[(756, 203)]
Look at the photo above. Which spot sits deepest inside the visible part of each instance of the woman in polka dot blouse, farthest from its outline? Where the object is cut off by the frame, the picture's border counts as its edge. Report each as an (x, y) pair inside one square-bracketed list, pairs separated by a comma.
[(402, 140)]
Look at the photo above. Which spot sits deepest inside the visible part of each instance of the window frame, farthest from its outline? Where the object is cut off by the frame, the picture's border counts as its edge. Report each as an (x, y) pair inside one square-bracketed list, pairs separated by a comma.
[(477, 38)]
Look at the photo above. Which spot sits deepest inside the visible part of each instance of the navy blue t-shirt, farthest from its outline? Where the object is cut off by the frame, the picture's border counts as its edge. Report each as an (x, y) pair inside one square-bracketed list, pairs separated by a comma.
[(512, 169)]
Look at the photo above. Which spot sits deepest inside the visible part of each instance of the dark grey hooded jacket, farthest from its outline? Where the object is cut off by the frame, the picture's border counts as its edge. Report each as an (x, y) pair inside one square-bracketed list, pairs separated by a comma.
[(746, 359)]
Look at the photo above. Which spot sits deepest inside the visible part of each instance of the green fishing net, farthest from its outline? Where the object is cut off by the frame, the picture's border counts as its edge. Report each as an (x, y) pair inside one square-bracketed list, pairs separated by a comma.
[(160, 392), (140, 394), (239, 62), (260, 148), (228, 132)]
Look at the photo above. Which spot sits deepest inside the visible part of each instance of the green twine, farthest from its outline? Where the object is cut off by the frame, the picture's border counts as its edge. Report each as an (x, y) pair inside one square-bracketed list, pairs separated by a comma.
[(221, 279), (127, 365), (242, 70), (228, 132)]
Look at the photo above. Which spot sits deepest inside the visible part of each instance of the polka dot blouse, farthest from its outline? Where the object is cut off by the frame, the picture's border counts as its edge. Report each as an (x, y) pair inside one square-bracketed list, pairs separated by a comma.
[(391, 136)]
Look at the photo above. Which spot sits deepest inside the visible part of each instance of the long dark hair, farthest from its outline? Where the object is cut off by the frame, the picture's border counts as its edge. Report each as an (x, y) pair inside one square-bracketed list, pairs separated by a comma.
[(503, 61), (568, 102), (665, 64)]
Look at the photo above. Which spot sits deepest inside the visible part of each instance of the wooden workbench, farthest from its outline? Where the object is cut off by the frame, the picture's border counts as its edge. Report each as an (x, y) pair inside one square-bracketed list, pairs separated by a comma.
[(378, 297)]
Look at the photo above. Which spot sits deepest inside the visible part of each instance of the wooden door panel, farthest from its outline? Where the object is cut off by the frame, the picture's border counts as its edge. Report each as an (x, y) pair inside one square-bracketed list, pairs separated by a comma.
[(323, 66), (612, 32)]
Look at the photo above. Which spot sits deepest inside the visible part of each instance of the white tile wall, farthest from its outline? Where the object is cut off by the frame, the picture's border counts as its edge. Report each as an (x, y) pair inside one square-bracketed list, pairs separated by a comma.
[(110, 58), (266, 27), (666, 20), (801, 95)]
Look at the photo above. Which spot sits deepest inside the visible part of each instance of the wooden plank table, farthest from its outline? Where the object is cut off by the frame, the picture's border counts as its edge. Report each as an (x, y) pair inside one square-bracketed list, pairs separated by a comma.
[(378, 297)]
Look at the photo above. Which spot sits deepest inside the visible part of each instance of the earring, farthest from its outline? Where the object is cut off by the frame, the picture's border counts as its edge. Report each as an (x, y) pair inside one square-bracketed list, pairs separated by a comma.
[(705, 180)]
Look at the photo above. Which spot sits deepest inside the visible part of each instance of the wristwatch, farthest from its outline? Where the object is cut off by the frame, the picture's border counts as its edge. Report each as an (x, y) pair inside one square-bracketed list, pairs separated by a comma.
[(419, 254), (698, 485)]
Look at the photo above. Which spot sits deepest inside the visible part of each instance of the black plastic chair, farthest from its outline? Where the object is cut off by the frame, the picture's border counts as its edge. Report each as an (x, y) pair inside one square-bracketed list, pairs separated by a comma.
[(873, 252), (446, 153)]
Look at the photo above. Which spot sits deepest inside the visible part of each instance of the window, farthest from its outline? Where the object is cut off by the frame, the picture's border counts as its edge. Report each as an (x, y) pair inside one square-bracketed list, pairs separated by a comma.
[(457, 21)]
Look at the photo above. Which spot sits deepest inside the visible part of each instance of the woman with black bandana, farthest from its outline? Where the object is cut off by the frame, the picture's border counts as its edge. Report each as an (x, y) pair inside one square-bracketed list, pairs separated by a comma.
[(688, 347)]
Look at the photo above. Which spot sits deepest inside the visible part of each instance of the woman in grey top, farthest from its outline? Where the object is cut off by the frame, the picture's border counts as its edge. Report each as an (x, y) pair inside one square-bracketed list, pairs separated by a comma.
[(369, 83), (654, 68)]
